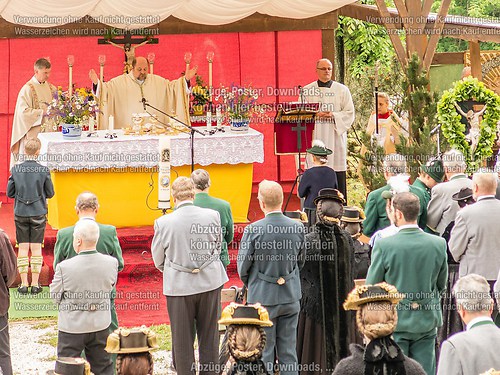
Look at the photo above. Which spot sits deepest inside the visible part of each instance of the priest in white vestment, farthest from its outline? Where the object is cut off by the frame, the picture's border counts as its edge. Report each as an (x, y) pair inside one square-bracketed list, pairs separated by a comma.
[(123, 95), (32, 101), (335, 117)]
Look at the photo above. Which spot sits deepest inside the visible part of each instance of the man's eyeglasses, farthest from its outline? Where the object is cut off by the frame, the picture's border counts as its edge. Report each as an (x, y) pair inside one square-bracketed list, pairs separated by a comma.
[(324, 69)]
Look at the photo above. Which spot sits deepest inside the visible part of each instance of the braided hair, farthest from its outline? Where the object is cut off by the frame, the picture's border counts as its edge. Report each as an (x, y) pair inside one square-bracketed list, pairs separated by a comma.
[(246, 342), (377, 319), (134, 364)]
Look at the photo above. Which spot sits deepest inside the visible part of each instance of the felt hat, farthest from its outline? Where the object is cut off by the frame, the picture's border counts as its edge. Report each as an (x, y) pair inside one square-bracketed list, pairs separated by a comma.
[(131, 340), (363, 294), (255, 314), (464, 194), (329, 193), (435, 169), (353, 215), (319, 149), (70, 366)]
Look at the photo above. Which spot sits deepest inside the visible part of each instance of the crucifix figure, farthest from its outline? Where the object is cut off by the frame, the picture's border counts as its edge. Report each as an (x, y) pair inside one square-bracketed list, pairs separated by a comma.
[(473, 118), (128, 47)]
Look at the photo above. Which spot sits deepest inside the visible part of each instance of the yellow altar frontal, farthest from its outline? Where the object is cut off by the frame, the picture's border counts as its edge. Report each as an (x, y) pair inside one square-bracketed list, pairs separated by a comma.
[(122, 173)]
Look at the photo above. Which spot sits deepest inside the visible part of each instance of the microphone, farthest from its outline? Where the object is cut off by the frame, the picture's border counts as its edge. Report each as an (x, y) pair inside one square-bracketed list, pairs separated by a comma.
[(144, 103)]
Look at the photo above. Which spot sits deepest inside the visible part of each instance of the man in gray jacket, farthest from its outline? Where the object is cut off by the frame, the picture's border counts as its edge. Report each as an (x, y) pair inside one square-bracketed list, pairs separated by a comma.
[(186, 248), (442, 208), (474, 240), (82, 289), (476, 350), (269, 259)]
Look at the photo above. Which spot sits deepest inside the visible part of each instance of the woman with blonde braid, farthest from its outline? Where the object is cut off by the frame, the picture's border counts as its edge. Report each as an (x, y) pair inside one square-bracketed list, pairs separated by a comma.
[(246, 337), (376, 319), (132, 346)]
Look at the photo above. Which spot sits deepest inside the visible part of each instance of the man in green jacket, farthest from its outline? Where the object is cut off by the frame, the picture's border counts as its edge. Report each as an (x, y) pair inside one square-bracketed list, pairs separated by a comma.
[(415, 263), (86, 209), (376, 217), (201, 180)]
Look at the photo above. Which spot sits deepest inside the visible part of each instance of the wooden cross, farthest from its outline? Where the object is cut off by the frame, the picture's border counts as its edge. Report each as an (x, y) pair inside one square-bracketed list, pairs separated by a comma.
[(127, 39), (127, 45), (299, 129)]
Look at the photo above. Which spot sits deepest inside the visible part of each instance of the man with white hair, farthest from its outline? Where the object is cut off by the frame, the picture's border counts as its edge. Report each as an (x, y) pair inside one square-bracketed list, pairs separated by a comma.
[(82, 288), (269, 260), (474, 240), (442, 209), (476, 350), (186, 249)]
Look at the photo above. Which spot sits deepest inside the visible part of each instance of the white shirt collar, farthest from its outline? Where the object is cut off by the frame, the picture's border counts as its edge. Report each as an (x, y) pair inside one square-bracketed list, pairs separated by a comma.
[(35, 81), (477, 320), (408, 226)]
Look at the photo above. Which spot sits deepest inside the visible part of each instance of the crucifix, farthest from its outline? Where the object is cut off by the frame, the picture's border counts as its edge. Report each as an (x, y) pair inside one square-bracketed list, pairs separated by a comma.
[(127, 45)]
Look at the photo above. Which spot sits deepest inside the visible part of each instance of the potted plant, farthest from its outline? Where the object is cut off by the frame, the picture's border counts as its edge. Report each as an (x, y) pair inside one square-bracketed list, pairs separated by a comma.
[(200, 96), (71, 113), (239, 104)]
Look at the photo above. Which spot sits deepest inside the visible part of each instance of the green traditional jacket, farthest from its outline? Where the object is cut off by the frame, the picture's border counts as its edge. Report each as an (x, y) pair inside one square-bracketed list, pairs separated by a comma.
[(226, 219), (416, 264), (376, 217)]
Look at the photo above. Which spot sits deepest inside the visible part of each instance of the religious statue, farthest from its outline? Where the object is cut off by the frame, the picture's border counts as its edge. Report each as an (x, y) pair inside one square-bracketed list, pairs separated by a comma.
[(473, 120), (129, 50)]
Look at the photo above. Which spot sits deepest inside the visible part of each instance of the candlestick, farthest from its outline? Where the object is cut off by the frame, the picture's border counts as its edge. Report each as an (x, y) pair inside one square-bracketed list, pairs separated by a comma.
[(164, 173), (187, 60), (151, 59), (102, 60), (111, 123), (210, 59), (71, 61)]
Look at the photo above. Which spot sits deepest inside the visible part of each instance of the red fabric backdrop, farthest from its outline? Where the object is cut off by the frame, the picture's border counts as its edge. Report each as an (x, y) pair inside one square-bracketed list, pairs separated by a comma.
[(268, 61)]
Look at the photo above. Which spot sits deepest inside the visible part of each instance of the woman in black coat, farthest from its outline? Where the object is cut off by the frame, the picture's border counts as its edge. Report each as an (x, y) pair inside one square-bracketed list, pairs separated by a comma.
[(376, 319)]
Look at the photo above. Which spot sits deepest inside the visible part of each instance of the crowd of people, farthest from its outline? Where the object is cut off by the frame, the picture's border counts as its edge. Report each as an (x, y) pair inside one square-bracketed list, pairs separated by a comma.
[(304, 278)]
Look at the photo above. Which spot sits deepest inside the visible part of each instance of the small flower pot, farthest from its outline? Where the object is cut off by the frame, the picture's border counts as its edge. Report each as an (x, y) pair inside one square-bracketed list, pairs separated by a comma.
[(239, 125), (71, 131)]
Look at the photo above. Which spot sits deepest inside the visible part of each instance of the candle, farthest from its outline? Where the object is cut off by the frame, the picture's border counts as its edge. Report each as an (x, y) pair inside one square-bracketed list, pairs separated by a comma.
[(218, 116), (111, 123), (151, 59), (187, 60), (209, 120), (91, 124), (102, 60), (71, 61), (210, 58), (164, 172)]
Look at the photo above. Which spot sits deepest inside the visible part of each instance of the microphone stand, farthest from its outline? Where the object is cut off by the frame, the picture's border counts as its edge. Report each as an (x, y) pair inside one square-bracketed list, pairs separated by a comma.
[(192, 130)]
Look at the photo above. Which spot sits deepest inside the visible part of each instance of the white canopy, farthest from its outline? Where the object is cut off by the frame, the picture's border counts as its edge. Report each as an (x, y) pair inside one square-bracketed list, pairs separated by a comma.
[(133, 14)]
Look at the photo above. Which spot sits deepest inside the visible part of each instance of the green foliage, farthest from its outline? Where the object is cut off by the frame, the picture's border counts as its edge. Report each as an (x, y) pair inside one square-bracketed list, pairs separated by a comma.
[(367, 42), (421, 105), (487, 9), (454, 130)]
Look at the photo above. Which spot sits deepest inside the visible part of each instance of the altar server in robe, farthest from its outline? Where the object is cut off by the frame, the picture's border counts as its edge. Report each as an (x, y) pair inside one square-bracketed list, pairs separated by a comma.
[(123, 95), (31, 104), (335, 117)]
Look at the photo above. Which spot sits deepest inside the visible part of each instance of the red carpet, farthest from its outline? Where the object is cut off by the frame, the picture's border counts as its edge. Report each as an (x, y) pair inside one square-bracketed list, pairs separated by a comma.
[(140, 298)]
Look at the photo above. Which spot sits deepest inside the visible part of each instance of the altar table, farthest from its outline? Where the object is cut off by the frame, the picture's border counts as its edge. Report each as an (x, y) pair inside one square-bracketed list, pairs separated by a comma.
[(123, 171)]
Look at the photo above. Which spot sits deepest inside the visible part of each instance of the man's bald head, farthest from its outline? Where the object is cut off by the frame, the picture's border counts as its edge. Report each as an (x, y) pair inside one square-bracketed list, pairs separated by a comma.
[(140, 68), (271, 195), (324, 69)]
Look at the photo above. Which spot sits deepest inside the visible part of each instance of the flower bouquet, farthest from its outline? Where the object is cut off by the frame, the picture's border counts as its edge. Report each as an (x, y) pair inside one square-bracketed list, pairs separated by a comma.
[(72, 113), (239, 105)]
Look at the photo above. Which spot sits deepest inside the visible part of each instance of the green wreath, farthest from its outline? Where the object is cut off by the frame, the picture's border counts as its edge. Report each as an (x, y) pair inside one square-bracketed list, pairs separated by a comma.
[(454, 131)]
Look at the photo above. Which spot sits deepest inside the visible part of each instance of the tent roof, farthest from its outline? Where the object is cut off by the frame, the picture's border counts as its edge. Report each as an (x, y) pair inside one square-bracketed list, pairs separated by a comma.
[(131, 14)]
